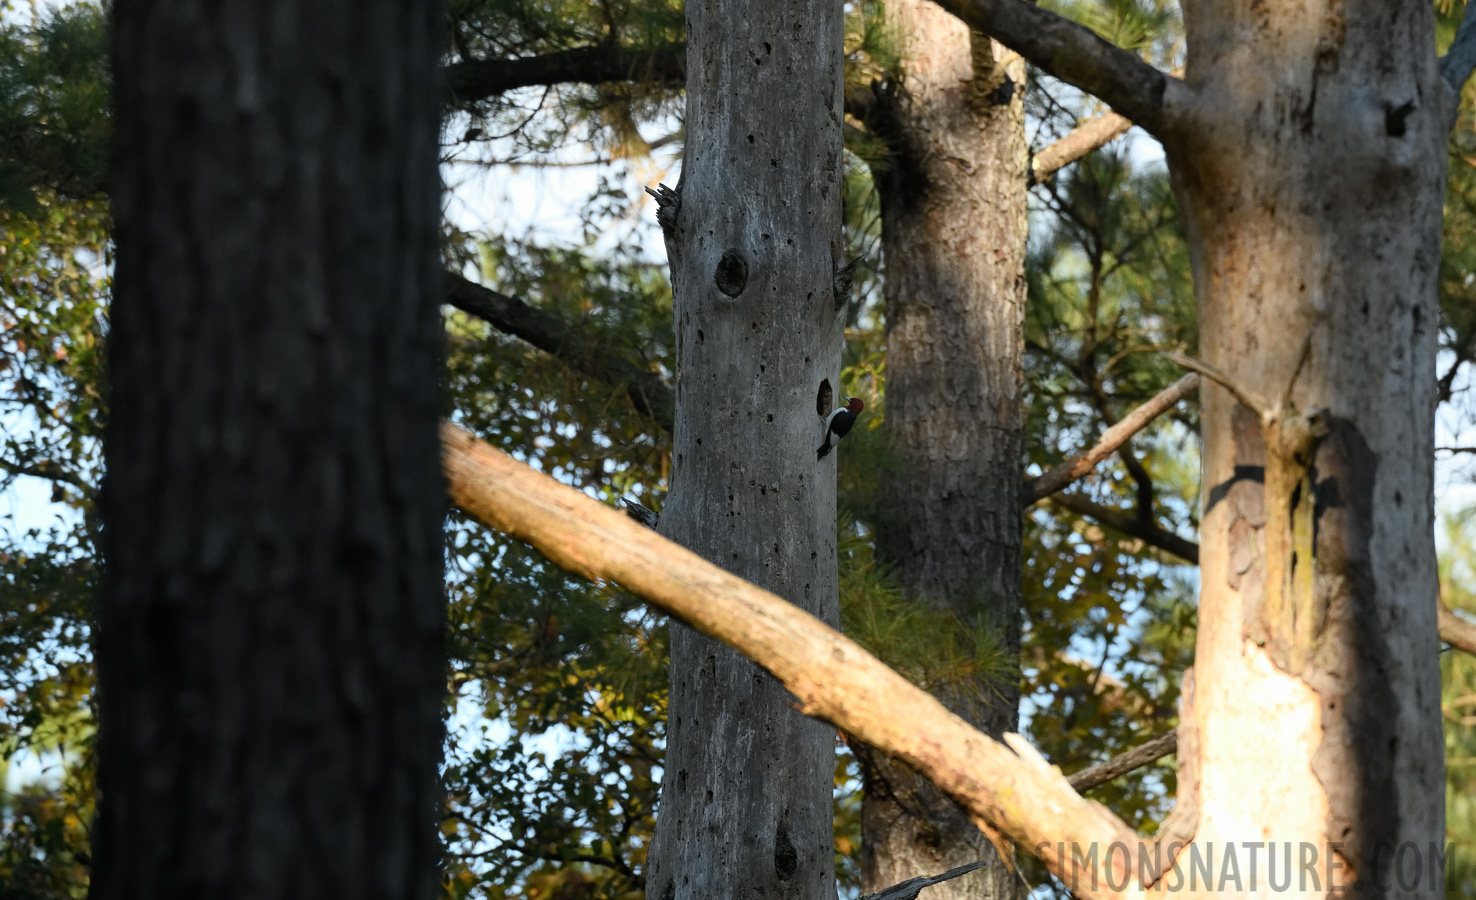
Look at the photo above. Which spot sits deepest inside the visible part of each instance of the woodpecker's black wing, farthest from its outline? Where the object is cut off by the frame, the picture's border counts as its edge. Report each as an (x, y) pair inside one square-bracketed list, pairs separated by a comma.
[(837, 423), (909, 889)]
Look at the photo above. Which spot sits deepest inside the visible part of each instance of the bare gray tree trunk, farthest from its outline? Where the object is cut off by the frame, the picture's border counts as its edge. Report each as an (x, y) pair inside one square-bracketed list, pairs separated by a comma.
[(754, 241), (953, 230), (270, 651)]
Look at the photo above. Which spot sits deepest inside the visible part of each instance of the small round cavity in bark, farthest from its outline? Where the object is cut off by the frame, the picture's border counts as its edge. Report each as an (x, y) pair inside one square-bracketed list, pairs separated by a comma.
[(824, 397), (732, 273)]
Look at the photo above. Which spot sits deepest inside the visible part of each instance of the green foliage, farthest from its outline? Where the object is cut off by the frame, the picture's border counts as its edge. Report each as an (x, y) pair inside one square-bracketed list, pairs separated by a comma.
[(557, 691), (51, 326), (1109, 625), (553, 761), (53, 285), (1458, 269), (1458, 705), (932, 649), (54, 124), (583, 431), (1137, 25), (527, 124)]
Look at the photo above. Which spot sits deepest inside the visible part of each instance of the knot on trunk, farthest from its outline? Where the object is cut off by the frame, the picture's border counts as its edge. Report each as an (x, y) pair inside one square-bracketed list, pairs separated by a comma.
[(731, 276)]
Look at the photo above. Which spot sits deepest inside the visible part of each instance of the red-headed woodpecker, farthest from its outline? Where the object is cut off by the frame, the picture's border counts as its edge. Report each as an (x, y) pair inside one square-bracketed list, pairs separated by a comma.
[(838, 424)]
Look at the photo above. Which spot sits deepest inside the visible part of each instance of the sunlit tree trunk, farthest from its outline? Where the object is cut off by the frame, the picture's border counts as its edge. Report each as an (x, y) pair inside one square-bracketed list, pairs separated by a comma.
[(953, 233), (754, 242), (1311, 175), (270, 651)]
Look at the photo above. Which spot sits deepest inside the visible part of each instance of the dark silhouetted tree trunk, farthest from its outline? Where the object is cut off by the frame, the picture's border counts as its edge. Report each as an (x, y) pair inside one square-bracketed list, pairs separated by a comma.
[(754, 244), (270, 644)]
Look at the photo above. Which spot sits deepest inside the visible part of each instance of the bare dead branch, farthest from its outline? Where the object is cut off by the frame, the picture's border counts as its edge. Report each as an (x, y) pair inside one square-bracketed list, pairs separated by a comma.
[(1147, 532), (1148, 97), (474, 80), (1123, 763), (1083, 139), (1249, 398), (650, 395), (833, 679), (1113, 438)]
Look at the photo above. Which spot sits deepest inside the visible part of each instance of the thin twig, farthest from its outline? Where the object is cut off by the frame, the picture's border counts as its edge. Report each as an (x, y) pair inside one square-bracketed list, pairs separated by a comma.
[(1249, 398)]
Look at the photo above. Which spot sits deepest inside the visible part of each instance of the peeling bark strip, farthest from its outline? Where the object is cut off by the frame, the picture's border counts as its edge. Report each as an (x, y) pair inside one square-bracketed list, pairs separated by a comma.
[(1012, 789), (271, 655), (752, 233)]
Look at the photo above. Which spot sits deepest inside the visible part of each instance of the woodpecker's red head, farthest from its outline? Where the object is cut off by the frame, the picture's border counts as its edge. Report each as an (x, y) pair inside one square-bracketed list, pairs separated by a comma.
[(854, 404)]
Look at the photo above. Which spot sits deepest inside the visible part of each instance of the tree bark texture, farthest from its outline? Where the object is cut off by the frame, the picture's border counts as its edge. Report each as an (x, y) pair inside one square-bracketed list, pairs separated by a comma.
[(1311, 183), (754, 241), (953, 196), (270, 650)]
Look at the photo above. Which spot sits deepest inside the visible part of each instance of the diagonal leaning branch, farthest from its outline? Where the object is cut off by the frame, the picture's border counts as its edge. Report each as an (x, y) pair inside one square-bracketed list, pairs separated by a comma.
[(1017, 793), (1148, 97), (1072, 469), (650, 395), (1123, 763), (1085, 138)]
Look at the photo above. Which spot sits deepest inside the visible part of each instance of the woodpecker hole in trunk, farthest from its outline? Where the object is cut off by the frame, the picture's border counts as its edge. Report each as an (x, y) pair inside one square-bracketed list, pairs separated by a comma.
[(824, 398), (732, 273)]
